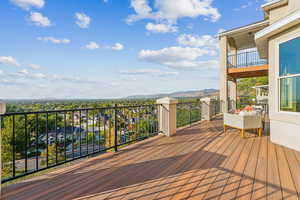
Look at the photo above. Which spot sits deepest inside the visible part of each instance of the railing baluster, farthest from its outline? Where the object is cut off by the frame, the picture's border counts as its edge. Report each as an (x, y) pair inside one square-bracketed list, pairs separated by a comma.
[(148, 121), (37, 142), (26, 145), (47, 141), (14, 145), (73, 132), (104, 130), (93, 132), (190, 111), (56, 142), (80, 134), (99, 129), (87, 132), (116, 127), (65, 135)]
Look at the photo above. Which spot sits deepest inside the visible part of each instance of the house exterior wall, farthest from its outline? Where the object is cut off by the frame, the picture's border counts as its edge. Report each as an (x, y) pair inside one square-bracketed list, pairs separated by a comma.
[(294, 5), (278, 13), (284, 126)]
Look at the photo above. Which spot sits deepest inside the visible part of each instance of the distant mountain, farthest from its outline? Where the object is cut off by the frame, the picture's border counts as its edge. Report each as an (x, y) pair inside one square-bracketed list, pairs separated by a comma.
[(183, 94)]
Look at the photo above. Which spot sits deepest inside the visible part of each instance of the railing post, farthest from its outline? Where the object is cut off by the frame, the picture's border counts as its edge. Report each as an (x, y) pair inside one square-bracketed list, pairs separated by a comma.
[(2, 111), (116, 127), (190, 111), (167, 115), (207, 108)]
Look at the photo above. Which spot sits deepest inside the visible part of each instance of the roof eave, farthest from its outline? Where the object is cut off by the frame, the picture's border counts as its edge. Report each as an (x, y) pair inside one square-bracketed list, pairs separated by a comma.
[(244, 28)]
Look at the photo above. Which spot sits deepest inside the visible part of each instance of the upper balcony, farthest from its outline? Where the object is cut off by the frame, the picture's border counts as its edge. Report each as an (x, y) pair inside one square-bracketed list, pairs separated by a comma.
[(246, 64), (239, 52)]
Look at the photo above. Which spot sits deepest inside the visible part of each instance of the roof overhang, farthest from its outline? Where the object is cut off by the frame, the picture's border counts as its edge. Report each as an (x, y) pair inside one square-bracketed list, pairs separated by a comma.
[(244, 29), (243, 37), (262, 37)]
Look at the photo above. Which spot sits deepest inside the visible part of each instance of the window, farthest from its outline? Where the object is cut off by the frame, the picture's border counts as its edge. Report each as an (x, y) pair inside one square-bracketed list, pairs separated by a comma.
[(289, 72)]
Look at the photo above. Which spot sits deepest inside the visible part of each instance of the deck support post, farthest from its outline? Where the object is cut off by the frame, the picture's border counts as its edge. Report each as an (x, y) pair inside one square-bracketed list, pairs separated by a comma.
[(2, 111), (208, 108), (167, 116), (223, 74)]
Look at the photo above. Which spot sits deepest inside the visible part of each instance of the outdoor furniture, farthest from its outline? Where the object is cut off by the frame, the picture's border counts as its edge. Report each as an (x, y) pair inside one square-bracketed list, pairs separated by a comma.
[(243, 122)]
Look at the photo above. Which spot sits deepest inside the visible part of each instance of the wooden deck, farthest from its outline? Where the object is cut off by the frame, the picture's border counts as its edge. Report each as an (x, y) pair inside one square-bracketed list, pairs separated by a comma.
[(198, 163)]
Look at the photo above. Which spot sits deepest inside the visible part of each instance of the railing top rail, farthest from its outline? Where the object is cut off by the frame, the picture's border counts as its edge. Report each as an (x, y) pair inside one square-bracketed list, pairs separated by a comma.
[(77, 109), (241, 53)]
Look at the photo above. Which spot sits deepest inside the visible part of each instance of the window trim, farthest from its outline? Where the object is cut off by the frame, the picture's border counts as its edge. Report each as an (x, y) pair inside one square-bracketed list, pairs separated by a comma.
[(279, 78), (279, 96)]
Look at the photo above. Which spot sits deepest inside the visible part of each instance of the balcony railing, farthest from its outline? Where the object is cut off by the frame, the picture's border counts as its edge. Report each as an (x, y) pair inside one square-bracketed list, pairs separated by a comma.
[(36, 141), (188, 113), (191, 112), (245, 59)]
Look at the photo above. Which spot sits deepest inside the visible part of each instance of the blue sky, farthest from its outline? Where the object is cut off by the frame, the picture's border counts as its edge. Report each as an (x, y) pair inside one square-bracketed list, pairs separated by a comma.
[(113, 48)]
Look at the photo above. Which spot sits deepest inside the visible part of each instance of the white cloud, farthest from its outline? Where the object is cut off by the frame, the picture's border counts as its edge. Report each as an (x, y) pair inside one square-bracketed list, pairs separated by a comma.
[(8, 60), (28, 4), (179, 57), (54, 40), (34, 66), (39, 20), (206, 41), (142, 9), (154, 72), (194, 65), (1, 72), (39, 75), (170, 12), (24, 72), (92, 46), (83, 21), (117, 47), (173, 54), (161, 28)]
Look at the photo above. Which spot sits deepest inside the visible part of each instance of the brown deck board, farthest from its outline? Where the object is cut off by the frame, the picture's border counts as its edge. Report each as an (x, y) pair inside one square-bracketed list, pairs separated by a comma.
[(200, 162), (219, 183), (273, 179), (195, 177), (246, 185), (150, 191), (206, 162), (260, 186), (287, 183), (232, 185), (211, 173), (294, 168), (164, 183)]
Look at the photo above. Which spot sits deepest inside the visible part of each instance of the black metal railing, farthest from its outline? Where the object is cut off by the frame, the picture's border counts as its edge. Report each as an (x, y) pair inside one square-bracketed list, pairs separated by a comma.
[(35, 141), (188, 113), (245, 59)]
